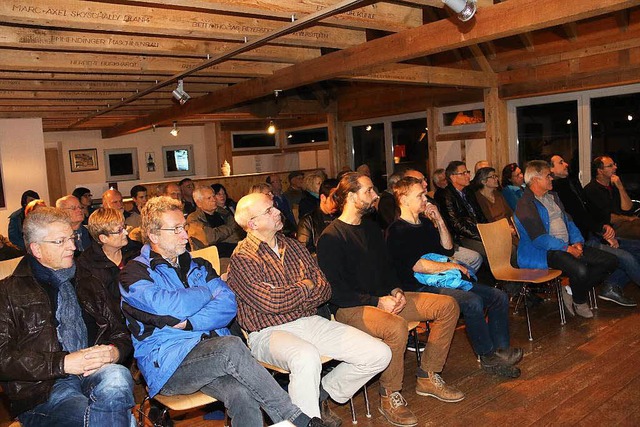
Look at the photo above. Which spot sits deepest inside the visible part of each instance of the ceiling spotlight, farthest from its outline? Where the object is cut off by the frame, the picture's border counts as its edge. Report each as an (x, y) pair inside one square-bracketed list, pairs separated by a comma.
[(464, 8), (629, 117), (271, 129), (179, 94), (568, 121), (175, 129), (368, 128)]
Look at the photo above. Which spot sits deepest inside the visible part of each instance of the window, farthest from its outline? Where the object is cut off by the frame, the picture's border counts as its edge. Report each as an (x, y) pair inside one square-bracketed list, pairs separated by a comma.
[(178, 160), (122, 164), (369, 148), (410, 143), (462, 118), (253, 141), (307, 136)]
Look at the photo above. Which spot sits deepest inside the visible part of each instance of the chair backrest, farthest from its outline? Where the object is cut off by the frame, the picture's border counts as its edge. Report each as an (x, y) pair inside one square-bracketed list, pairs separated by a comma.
[(210, 254), (7, 267), (496, 238)]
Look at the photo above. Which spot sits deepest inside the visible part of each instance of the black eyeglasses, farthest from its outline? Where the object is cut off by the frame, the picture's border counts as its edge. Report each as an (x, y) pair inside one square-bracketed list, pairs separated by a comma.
[(462, 173), (176, 230), (118, 231)]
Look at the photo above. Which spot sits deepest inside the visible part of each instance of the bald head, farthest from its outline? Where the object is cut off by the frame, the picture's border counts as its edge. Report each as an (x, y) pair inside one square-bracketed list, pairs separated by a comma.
[(248, 207), (112, 199), (173, 191), (71, 205)]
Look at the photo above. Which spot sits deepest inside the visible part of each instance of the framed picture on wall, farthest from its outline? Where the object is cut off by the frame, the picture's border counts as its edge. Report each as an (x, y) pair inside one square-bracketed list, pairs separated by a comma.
[(121, 164), (83, 160)]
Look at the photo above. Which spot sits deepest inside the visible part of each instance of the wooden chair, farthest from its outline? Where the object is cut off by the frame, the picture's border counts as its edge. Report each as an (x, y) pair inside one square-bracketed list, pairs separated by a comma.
[(210, 254), (181, 402), (7, 267), (496, 238)]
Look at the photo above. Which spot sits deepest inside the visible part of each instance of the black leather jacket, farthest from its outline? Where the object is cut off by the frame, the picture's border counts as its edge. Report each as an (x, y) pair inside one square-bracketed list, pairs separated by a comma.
[(311, 226), (460, 221), (31, 357)]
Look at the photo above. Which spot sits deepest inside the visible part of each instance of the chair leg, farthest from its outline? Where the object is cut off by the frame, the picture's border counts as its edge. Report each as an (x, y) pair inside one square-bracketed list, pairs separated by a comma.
[(593, 299), (354, 420), (366, 401), (414, 335), (558, 287), (523, 294), (141, 415), (227, 422)]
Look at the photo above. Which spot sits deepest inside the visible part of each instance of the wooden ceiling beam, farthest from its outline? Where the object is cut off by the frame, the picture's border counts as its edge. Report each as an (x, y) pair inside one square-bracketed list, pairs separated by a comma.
[(113, 86), (523, 15), (76, 41), (117, 18), (21, 60), (527, 40), (622, 18), (148, 79), (480, 59), (433, 76), (380, 16), (571, 30)]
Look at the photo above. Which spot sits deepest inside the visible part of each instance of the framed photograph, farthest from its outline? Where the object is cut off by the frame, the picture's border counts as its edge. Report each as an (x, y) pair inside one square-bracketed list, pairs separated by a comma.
[(83, 160), (121, 164), (178, 160)]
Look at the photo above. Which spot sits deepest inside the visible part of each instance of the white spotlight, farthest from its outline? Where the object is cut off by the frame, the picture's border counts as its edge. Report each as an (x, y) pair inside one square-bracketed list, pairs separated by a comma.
[(271, 129), (464, 8), (175, 129), (179, 94)]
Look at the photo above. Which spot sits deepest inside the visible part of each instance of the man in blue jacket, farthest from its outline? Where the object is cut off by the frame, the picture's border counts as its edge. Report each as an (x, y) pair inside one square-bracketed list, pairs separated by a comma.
[(177, 309), (550, 239)]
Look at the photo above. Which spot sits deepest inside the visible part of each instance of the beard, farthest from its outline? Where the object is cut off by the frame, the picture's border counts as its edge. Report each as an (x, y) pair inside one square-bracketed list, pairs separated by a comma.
[(365, 208)]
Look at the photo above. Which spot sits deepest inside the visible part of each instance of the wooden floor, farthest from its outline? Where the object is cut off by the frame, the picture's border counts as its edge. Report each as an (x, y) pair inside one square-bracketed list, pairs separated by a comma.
[(584, 373)]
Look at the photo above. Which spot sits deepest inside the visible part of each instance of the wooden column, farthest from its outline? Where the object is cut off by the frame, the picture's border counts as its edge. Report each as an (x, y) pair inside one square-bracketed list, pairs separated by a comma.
[(432, 124), (337, 144), (497, 139), (213, 165), (222, 146)]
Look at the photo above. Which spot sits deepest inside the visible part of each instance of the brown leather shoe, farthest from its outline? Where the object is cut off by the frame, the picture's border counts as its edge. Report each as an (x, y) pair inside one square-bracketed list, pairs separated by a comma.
[(435, 386), (329, 418), (394, 408)]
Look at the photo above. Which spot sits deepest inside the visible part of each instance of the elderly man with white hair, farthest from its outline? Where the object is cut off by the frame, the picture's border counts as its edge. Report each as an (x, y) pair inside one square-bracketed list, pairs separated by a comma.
[(279, 287), (206, 227), (72, 206)]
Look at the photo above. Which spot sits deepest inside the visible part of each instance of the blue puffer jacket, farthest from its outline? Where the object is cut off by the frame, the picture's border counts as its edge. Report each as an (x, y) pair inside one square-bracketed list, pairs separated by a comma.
[(532, 222), (157, 296)]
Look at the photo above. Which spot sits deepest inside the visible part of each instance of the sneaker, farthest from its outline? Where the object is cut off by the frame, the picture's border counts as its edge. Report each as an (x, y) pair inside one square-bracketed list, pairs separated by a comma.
[(493, 364), (610, 293), (329, 418), (510, 356), (583, 310), (567, 300), (394, 408), (411, 346), (435, 386)]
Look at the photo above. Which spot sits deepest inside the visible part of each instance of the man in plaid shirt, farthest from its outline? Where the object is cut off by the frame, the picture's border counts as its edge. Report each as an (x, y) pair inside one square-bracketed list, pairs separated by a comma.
[(279, 287)]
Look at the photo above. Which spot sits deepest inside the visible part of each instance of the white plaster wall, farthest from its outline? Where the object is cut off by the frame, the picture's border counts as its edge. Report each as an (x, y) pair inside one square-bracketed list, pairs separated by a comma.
[(23, 163), (146, 141)]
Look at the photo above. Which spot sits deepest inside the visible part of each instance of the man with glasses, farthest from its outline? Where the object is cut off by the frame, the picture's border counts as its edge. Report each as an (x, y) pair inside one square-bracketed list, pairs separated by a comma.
[(279, 287), (608, 199), (460, 209), (61, 344), (178, 309), (71, 205), (550, 239)]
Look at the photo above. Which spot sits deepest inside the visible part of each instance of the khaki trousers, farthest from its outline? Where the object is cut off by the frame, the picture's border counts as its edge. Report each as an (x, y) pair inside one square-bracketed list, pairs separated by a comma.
[(441, 311)]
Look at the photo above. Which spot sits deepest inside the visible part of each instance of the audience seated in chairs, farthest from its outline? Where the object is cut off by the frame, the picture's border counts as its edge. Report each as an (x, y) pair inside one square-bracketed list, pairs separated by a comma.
[(310, 197), (419, 231), (212, 225), (550, 239), (279, 200), (139, 197), (86, 200), (598, 234), (493, 204), (460, 209), (101, 263), (387, 210), (313, 224), (62, 344), (186, 191), (178, 309), (295, 190), (288, 228), (17, 218), (608, 199), (366, 294), (223, 201), (512, 184), (72, 207), (279, 288)]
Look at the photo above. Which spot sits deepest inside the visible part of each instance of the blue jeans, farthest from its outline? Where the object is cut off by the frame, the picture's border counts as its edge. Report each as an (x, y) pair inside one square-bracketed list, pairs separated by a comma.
[(103, 399), (485, 337), (222, 367), (628, 255)]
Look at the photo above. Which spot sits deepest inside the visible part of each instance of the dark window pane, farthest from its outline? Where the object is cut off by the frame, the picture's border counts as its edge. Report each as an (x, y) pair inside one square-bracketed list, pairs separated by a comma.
[(254, 140), (548, 129), (410, 144), (615, 131), (307, 136), (368, 147), (120, 164)]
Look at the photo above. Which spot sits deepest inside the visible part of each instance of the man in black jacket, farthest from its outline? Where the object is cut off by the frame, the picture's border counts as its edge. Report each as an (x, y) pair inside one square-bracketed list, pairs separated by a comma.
[(313, 224), (60, 346), (460, 209)]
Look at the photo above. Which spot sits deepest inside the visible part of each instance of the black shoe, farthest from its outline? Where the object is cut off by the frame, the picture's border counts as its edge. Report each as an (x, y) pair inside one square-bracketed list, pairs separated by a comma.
[(510, 356), (329, 418), (610, 293), (158, 417), (316, 422), (411, 346), (493, 364)]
